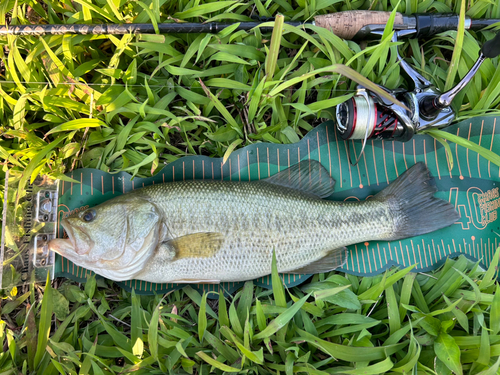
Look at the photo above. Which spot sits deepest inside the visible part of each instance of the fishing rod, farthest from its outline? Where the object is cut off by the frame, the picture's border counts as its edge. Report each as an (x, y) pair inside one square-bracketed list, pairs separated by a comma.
[(367, 115), (355, 25)]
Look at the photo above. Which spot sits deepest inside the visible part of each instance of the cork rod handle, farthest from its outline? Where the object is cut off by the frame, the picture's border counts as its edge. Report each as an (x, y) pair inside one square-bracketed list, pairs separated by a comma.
[(347, 24)]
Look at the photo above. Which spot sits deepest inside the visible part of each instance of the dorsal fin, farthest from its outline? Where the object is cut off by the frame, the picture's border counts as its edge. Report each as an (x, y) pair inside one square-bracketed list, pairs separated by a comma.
[(308, 176)]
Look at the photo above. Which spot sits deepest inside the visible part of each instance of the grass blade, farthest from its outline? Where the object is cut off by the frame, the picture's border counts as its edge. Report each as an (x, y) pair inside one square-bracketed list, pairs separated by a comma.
[(45, 322)]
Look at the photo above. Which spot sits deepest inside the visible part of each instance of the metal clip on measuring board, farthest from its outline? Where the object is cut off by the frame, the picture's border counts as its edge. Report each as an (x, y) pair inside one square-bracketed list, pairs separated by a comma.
[(369, 116), (29, 223)]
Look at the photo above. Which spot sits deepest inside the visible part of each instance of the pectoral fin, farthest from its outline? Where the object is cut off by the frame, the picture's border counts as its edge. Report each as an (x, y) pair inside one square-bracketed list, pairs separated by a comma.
[(334, 259), (196, 245)]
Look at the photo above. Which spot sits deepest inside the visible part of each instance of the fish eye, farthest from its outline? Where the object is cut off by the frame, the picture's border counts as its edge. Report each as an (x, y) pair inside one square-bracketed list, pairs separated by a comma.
[(89, 215)]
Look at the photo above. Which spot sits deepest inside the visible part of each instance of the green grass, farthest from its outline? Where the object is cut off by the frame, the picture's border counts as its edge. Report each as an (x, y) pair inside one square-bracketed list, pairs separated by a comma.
[(135, 103)]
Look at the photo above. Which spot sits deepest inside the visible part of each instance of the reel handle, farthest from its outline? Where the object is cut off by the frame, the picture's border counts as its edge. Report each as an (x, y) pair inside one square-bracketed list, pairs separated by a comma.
[(491, 48), (430, 106)]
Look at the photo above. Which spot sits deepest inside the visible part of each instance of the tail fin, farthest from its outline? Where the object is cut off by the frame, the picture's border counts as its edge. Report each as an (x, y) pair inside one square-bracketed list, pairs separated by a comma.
[(415, 209)]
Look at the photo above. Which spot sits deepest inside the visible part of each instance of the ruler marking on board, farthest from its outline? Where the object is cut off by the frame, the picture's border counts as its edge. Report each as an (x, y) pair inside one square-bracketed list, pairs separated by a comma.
[(390, 251), (434, 248), (489, 250), (278, 158), (298, 159), (319, 151), (420, 257), (491, 145), (338, 152), (436, 156), (258, 164), (429, 247), (375, 163), (385, 254), (268, 164), (408, 252), (366, 169), (329, 153), (467, 151), (369, 262), (239, 169), (385, 164), (425, 254), (414, 256), (458, 159), (396, 252), (480, 138), (414, 153), (357, 164), (102, 184), (379, 255), (352, 260), (404, 156), (248, 163), (348, 164), (394, 158), (363, 257), (425, 153), (357, 258)]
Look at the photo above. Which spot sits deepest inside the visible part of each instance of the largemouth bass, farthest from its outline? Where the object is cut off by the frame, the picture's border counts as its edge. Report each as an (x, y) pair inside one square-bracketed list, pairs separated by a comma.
[(214, 231)]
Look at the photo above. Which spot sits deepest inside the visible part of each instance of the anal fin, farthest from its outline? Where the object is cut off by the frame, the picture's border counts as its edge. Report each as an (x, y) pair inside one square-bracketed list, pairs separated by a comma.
[(333, 259)]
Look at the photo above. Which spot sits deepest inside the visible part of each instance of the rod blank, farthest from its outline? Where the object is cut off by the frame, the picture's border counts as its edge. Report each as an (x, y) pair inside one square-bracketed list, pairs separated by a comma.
[(129, 28)]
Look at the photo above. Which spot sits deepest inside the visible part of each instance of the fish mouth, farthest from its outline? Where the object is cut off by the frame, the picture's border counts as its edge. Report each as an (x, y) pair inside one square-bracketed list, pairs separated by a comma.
[(67, 246), (63, 246)]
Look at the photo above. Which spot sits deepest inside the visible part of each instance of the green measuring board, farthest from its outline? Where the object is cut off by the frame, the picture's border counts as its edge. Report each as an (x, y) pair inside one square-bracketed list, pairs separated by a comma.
[(472, 185)]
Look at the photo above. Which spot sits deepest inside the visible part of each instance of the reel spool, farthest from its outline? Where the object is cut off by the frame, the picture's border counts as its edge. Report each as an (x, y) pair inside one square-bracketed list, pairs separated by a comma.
[(360, 117), (368, 116)]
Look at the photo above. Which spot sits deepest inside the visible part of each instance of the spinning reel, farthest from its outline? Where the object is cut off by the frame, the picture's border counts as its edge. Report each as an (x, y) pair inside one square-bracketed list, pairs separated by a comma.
[(369, 116)]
